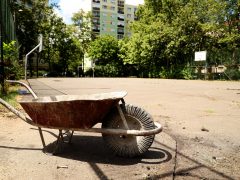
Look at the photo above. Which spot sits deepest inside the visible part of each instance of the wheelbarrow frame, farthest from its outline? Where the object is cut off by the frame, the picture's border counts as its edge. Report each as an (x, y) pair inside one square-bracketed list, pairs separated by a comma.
[(108, 131)]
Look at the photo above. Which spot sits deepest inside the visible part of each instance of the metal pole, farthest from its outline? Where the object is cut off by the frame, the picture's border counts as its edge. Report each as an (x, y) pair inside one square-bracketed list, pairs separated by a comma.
[(38, 57), (27, 58), (83, 64)]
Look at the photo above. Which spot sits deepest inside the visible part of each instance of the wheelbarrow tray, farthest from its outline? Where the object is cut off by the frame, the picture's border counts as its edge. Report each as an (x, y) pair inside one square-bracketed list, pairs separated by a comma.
[(71, 111)]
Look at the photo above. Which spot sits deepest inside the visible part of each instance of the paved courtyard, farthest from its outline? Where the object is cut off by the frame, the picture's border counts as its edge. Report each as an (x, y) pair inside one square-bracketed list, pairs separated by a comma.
[(200, 140)]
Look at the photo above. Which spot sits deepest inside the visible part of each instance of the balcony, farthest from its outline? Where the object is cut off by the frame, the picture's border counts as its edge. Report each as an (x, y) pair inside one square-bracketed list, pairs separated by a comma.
[(120, 12), (120, 31), (96, 30), (96, 14), (120, 36), (96, 1), (120, 17), (121, 24), (96, 8), (96, 21), (120, 3)]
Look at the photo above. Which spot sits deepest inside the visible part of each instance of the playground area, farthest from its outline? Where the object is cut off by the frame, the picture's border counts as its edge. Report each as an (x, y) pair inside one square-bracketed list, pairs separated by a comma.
[(200, 138)]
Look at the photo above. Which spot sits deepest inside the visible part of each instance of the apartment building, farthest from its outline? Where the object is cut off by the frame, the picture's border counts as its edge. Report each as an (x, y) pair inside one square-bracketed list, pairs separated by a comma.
[(112, 17)]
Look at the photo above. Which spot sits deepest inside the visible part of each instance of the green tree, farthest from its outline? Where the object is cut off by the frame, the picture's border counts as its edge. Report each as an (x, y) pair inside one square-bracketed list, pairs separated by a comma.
[(83, 31), (105, 51), (170, 31), (61, 49)]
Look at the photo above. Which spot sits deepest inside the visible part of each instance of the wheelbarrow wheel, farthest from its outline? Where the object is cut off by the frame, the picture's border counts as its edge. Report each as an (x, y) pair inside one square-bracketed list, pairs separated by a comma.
[(128, 145)]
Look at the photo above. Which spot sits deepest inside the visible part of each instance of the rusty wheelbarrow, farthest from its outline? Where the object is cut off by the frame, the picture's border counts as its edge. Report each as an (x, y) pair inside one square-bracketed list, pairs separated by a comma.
[(127, 130)]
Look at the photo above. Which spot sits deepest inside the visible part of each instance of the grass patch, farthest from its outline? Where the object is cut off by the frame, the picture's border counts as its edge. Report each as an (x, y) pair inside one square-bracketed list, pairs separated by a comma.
[(11, 96)]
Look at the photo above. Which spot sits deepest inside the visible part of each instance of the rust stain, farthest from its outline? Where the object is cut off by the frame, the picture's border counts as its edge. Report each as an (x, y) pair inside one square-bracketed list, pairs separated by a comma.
[(69, 114)]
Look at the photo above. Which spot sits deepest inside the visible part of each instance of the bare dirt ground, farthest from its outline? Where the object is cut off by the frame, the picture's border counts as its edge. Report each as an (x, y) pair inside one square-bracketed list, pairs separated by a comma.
[(201, 137)]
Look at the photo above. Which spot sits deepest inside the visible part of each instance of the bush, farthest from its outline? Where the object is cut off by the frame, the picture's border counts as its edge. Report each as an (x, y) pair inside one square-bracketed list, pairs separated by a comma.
[(177, 72), (12, 69), (233, 73), (187, 73), (108, 70)]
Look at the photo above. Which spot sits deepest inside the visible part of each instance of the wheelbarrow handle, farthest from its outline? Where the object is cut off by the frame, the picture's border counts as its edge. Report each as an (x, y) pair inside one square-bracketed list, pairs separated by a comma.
[(26, 86), (16, 112), (12, 109)]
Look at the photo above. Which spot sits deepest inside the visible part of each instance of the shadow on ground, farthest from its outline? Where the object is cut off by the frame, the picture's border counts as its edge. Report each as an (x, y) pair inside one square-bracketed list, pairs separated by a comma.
[(92, 149)]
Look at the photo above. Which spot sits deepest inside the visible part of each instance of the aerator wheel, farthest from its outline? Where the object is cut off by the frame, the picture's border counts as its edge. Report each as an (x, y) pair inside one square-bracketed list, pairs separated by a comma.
[(128, 145)]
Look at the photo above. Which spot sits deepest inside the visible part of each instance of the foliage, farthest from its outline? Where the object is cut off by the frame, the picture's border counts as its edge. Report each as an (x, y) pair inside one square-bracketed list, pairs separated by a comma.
[(82, 21), (233, 73), (162, 44), (107, 70), (105, 51), (82, 31), (12, 70), (62, 51), (169, 32)]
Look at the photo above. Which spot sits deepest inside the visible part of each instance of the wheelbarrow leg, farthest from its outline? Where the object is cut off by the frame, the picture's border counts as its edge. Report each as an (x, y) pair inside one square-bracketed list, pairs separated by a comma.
[(122, 116), (60, 140), (70, 137), (60, 136), (42, 138)]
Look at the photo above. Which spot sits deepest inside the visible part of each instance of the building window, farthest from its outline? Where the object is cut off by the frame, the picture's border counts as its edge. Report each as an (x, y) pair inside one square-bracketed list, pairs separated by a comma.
[(113, 1), (129, 15), (104, 14), (104, 7), (112, 8), (129, 9), (104, 0)]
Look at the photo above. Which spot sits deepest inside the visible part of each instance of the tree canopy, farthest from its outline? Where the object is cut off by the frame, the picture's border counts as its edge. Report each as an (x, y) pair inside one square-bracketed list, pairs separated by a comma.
[(163, 41), (168, 33)]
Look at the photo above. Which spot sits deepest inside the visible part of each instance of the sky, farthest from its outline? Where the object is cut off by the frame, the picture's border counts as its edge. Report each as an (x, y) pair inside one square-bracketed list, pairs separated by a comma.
[(68, 7)]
